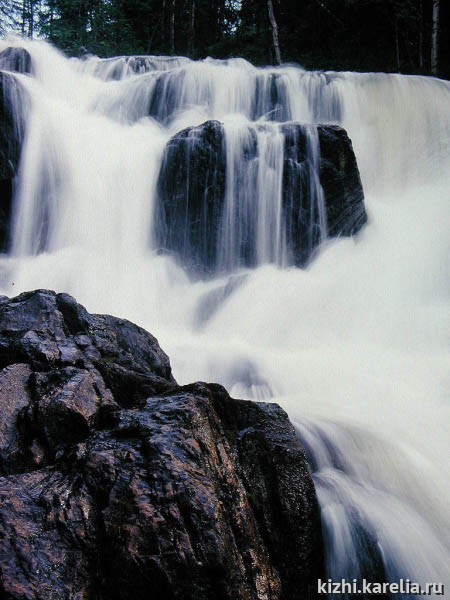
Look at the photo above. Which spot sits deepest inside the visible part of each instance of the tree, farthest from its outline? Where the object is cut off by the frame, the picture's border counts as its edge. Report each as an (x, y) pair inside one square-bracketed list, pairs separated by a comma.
[(435, 38), (10, 15), (356, 35), (191, 35), (172, 27), (273, 23)]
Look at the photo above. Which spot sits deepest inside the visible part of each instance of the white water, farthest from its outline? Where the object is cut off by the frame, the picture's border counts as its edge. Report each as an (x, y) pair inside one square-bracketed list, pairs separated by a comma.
[(355, 348)]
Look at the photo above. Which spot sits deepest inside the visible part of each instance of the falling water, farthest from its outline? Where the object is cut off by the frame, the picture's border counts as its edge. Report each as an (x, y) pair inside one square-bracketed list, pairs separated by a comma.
[(355, 346)]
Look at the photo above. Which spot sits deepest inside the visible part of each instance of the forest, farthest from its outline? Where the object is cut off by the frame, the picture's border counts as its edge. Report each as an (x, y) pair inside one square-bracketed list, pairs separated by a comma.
[(405, 36)]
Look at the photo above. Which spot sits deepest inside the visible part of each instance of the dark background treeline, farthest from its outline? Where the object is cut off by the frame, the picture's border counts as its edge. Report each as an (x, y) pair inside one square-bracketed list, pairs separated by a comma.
[(407, 36)]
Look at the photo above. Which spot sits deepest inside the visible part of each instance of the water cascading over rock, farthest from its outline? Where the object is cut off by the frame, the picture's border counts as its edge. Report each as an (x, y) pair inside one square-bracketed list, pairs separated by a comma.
[(12, 126), (240, 196), (16, 59), (258, 94), (118, 68), (233, 195)]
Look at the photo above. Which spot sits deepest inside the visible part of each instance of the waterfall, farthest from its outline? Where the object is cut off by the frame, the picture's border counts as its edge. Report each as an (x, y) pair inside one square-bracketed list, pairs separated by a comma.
[(353, 344)]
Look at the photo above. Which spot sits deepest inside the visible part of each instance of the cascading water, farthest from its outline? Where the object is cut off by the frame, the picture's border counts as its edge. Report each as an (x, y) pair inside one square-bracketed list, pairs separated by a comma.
[(252, 198), (354, 346), (253, 209)]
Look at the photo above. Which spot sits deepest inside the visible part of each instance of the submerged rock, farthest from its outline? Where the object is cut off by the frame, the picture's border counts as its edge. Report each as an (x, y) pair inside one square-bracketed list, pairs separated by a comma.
[(321, 194), (15, 59), (118, 483)]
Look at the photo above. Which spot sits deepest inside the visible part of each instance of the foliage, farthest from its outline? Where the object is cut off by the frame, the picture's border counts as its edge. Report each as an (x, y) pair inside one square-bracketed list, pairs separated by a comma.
[(370, 35)]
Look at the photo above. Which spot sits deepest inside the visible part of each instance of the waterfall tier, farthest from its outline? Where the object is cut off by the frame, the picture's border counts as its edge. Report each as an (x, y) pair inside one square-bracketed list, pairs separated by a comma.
[(242, 196)]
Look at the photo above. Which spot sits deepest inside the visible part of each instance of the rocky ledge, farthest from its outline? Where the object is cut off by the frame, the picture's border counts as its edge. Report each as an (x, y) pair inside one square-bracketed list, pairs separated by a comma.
[(116, 483)]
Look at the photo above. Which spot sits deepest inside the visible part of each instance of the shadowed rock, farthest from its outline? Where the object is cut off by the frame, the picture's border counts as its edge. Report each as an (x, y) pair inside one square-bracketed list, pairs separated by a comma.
[(191, 191), (176, 492), (15, 59), (341, 182), (337, 174), (13, 102), (15, 396), (318, 168)]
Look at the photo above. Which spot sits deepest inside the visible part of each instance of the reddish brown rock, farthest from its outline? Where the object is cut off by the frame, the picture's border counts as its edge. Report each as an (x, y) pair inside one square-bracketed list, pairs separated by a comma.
[(184, 493), (14, 397)]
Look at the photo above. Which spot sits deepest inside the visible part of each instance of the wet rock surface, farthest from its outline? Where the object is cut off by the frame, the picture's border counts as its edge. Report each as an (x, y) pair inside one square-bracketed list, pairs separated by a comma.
[(191, 192), (117, 483), (337, 175), (15, 59), (318, 162), (13, 102), (341, 182)]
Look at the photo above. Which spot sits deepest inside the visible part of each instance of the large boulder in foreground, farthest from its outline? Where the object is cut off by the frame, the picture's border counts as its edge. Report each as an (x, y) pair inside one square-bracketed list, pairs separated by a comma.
[(206, 167), (117, 483)]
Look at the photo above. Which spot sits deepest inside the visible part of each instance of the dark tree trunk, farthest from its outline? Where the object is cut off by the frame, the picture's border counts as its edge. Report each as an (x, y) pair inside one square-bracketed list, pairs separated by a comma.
[(172, 27), (31, 20), (435, 38), (163, 25), (274, 26), (191, 29), (24, 15), (421, 60), (397, 47)]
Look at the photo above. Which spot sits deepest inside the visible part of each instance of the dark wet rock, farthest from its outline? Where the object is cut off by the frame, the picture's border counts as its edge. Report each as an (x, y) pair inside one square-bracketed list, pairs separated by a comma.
[(67, 404), (301, 192), (13, 101), (12, 98), (191, 189), (166, 97), (185, 493), (49, 330), (15, 396), (336, 173), (271, 97), (15, 59), (319, 168), (341, 182)]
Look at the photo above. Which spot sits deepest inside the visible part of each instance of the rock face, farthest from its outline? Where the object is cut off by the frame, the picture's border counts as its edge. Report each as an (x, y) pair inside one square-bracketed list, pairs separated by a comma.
[(15, 59), (321, 192), (335, 170), (12, 105), (117, 483), (191, 192), (341, 182)]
